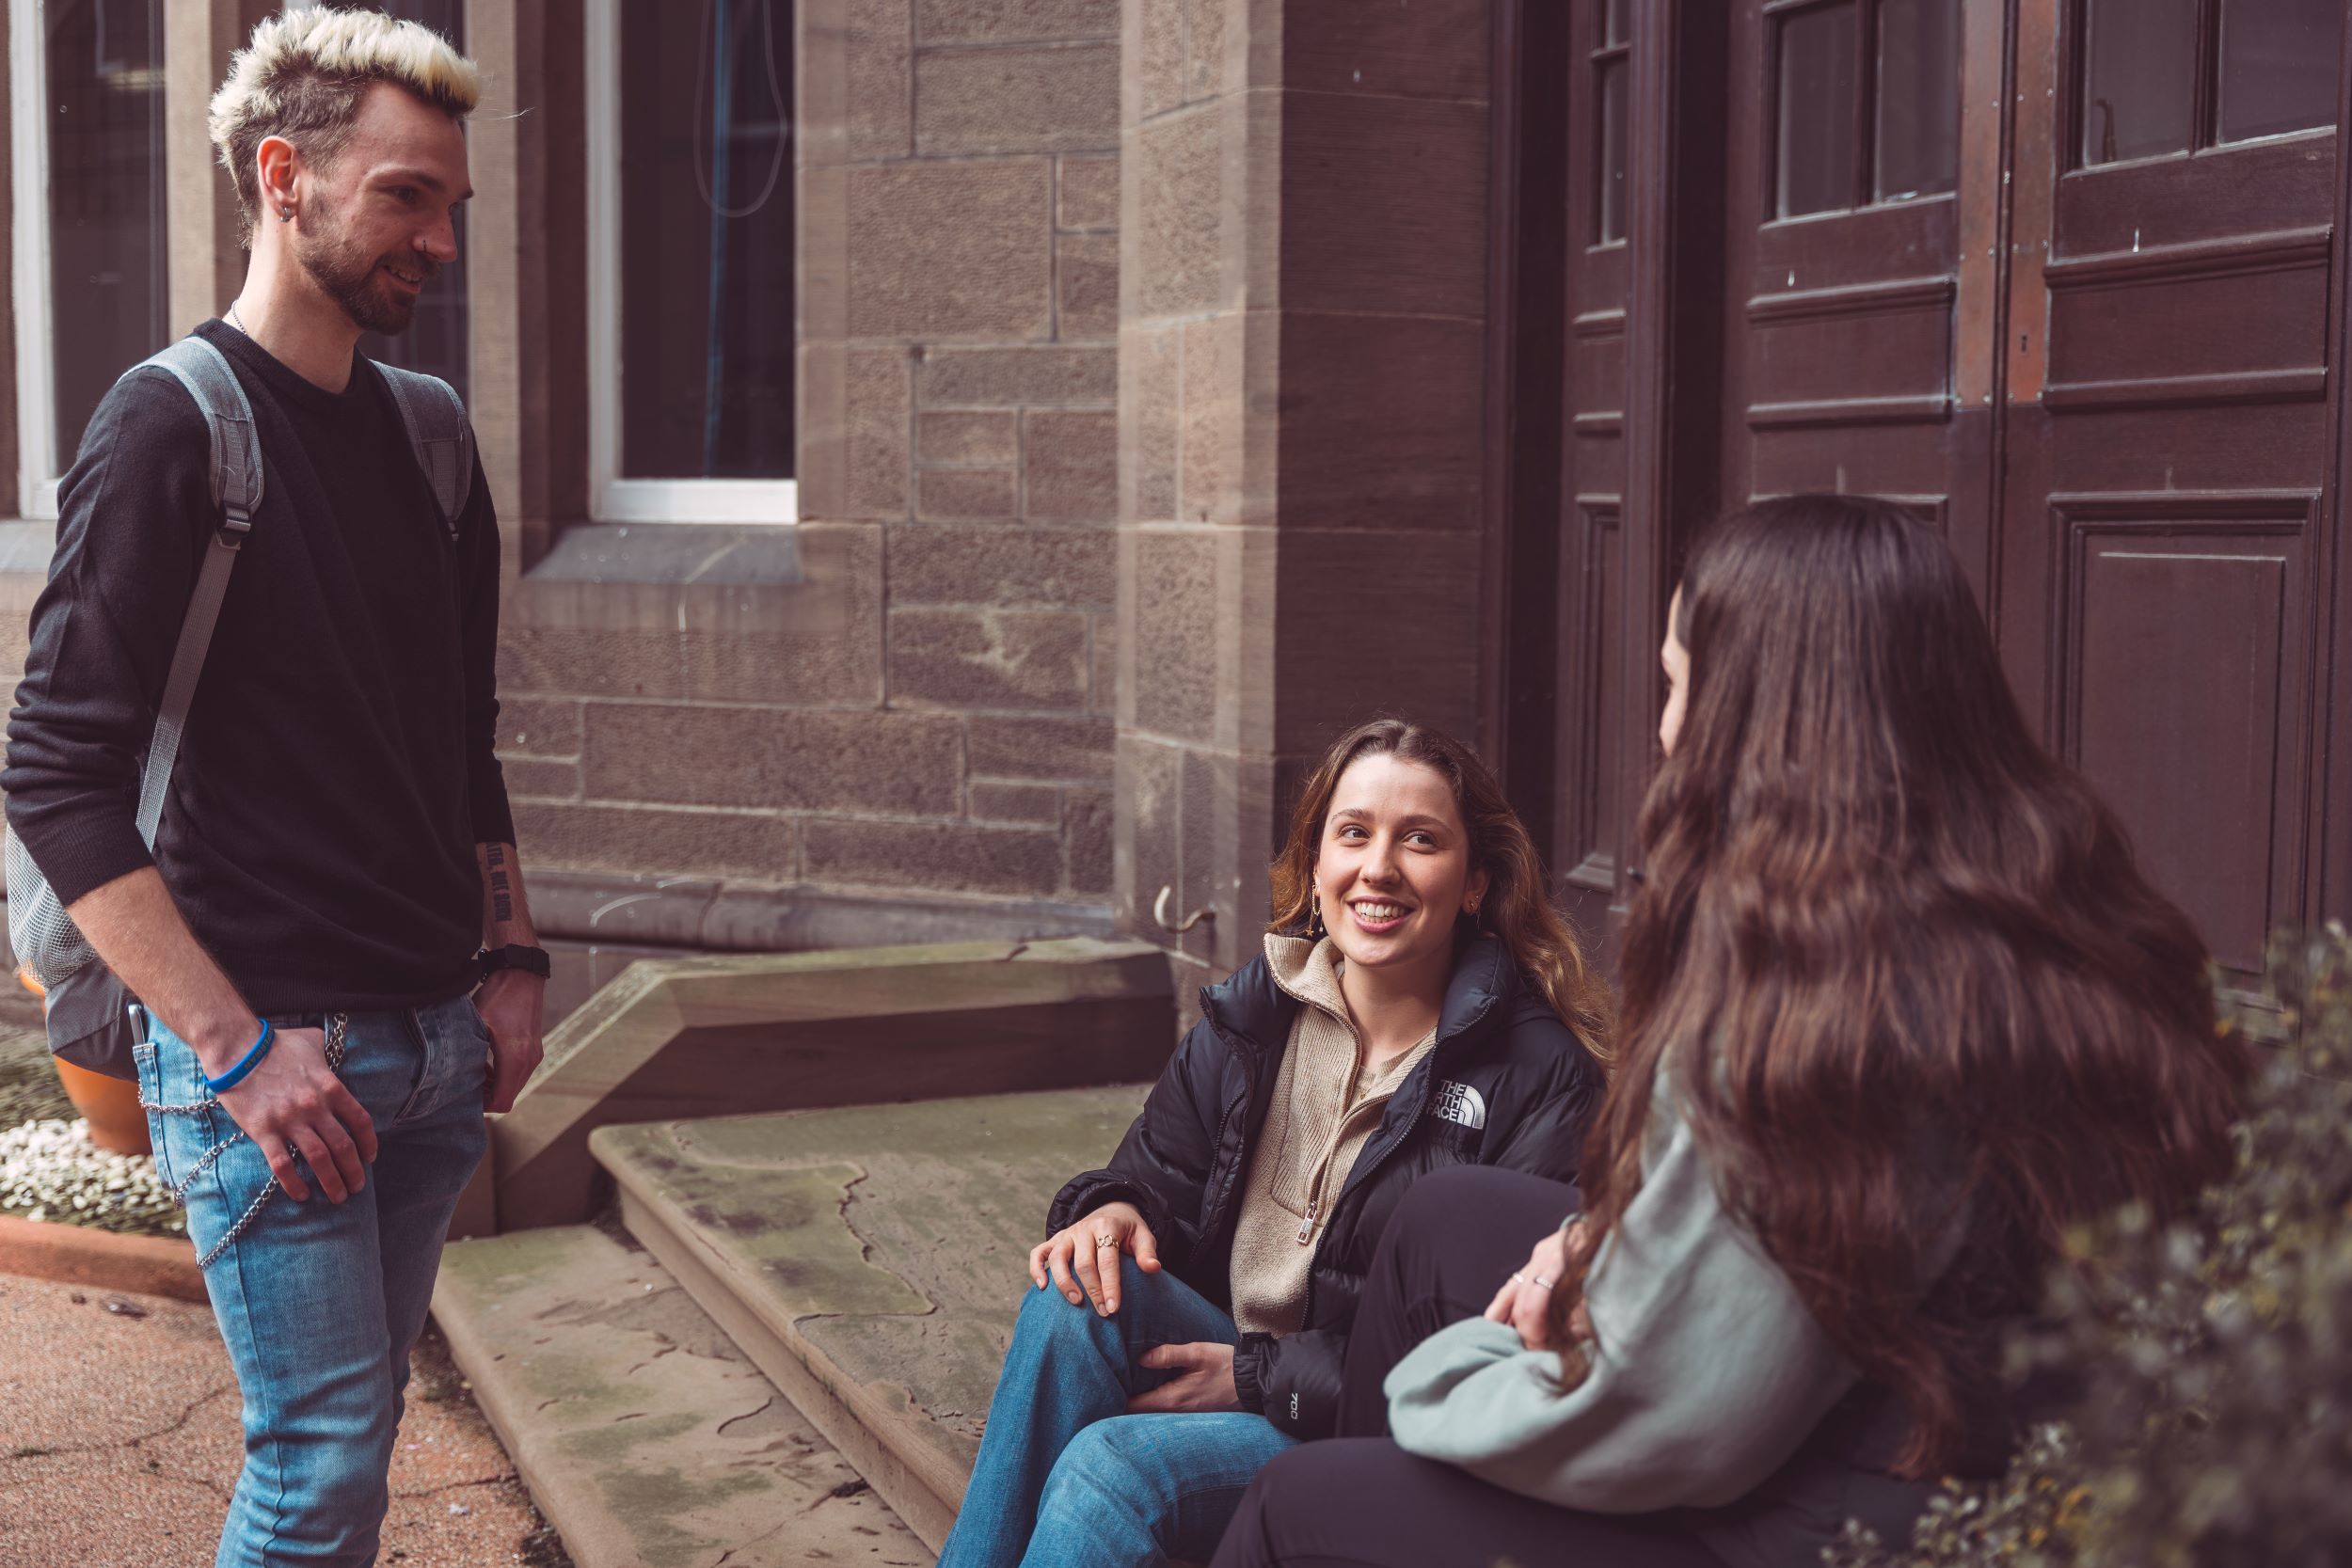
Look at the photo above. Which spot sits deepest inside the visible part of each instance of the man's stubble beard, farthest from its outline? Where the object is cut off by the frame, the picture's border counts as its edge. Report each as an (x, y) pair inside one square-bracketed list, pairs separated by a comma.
[(349, 278)]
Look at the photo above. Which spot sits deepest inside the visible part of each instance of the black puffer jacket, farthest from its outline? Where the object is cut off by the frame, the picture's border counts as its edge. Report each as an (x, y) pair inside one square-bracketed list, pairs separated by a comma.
[(1506, 1084)]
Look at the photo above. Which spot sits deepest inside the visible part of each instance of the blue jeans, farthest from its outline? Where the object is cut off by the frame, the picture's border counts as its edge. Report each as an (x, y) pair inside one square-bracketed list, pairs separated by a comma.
[(1065, 1477), (319, 1302)]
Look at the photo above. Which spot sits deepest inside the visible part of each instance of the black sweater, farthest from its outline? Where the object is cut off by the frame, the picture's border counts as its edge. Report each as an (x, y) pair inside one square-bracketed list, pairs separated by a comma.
[(338, 770)]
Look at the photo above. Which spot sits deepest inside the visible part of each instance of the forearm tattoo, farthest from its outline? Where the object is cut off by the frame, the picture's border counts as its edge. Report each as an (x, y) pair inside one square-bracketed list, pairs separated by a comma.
[(501, 885)]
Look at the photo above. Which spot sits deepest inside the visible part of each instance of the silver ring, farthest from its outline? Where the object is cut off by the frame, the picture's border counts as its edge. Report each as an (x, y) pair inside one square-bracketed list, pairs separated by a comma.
[(1539, 1279)]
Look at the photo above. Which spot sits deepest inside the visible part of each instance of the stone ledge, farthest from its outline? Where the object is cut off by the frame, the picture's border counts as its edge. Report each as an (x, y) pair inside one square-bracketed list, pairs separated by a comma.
[(723, 1035), (694, 913), (672, 552)]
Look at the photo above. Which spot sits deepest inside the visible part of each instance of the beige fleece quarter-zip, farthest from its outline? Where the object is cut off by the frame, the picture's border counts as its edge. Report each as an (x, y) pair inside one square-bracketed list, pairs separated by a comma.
[(1324, 1109)]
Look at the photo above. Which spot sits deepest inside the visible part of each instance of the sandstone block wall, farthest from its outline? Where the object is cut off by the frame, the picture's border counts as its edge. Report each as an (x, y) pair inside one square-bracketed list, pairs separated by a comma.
[(911, 692), (1302, 367)]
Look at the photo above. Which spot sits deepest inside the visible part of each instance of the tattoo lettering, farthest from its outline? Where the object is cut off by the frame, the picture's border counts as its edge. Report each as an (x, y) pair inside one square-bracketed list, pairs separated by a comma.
[(502, 888)]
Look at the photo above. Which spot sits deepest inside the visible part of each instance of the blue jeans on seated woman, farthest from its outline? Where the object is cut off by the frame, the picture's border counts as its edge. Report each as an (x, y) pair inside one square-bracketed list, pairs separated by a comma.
[(1066, 1477)]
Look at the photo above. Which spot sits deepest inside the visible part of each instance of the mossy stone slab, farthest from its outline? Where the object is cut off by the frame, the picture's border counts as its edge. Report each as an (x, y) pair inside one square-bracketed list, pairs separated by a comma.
[(884, 1247), (643, 1433)]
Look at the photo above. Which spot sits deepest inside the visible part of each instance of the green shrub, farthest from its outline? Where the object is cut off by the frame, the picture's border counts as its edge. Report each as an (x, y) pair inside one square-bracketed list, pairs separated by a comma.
[(2215, 1426)]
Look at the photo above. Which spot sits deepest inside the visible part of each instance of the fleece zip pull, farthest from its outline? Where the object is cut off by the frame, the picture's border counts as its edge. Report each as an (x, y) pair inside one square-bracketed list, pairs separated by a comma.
[(1341, 1132)]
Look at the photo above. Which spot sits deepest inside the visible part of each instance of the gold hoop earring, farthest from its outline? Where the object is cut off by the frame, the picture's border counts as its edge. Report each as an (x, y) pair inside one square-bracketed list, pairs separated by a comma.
[(1315, 914)]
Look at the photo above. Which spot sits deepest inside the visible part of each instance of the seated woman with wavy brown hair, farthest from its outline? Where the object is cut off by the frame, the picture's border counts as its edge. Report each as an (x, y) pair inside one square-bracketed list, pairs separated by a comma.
[(1419, 1005), (1898, 1010)]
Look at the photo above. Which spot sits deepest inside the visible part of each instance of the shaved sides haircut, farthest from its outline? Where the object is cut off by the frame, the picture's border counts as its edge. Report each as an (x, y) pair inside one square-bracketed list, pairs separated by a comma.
[(301, 75)]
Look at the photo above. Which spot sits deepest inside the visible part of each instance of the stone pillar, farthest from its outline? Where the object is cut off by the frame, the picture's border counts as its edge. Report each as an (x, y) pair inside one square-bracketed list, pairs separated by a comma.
[(1303, 262), (526, 245), (207, 258)]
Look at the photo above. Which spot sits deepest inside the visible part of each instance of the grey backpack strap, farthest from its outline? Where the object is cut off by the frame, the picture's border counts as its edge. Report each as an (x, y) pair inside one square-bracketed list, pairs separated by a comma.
[(440, 433), (237, 487)]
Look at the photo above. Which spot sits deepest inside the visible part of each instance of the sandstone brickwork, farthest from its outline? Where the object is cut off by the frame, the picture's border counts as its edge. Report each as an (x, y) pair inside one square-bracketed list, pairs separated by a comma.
[(918, 701)]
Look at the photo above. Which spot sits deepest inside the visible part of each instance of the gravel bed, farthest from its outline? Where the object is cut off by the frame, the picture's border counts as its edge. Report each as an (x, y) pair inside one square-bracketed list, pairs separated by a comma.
[(50, 1170), (29, 1090)]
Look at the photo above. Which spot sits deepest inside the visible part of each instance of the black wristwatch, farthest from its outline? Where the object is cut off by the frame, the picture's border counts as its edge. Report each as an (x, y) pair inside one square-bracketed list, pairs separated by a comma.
[(531, 961)]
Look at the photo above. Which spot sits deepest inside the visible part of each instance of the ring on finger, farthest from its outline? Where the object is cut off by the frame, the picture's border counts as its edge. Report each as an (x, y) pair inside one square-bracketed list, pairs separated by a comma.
[(1105, 1241), (1518, 1276), (1539, 1279)]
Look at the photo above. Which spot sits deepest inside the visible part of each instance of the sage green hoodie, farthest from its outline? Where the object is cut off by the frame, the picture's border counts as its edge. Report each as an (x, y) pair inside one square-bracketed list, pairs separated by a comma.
[(1708, 1373)]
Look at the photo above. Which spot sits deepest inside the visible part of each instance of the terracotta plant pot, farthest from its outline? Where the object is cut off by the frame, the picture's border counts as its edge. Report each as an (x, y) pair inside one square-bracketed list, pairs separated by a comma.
[(111, 1105)]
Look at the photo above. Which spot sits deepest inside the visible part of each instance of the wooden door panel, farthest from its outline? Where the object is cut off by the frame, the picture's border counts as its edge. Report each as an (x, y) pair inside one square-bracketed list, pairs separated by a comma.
[(1595, 712), (2167, 437), (1838, 368), (2164, 326), (2187, 445), (2185, 632), (1858, 347), (1859, 248), (1894, 460), (1589, 733), (2219, 193), (1597, 398)]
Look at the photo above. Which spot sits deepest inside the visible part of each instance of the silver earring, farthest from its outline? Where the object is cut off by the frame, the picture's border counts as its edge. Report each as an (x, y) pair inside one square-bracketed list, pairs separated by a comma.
[(285, 214)]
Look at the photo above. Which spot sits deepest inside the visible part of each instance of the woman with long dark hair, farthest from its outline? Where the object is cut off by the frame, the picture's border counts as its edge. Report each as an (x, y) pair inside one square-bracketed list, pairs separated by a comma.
[(1898, 1009), (1419, 1005)]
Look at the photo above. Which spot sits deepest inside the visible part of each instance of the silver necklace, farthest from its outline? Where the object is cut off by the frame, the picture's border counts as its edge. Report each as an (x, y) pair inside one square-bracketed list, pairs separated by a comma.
[(234, 321)]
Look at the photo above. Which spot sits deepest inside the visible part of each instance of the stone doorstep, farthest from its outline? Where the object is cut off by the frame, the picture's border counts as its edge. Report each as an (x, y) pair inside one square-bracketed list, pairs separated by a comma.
[(78, 1255), (869, 1260), (714, 1035), (644, 1434)]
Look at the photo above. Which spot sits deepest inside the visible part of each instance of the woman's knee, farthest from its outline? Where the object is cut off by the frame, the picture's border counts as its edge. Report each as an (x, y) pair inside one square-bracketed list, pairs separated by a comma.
[(1467, 1223), (1047, 1314), (1095, 1472)]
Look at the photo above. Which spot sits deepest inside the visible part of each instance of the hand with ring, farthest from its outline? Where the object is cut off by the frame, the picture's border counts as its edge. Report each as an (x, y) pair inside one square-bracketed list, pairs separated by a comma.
[(1525, 1300), (1081, 1260)]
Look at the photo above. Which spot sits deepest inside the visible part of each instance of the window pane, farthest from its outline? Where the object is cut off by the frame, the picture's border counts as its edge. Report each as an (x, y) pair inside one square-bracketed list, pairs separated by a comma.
[(2279, 66), (105, 86), (1616, 25), (435, 340), (1918, 98), (1817, 111), (705, 239), (1611, 176), (2139, 78)]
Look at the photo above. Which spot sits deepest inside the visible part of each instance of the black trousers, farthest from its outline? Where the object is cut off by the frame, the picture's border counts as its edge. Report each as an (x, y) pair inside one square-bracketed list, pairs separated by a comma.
[(1360, 1499)]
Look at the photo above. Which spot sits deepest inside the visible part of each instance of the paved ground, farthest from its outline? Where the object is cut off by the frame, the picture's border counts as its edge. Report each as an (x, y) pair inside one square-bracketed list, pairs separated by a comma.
[(118, 1442)]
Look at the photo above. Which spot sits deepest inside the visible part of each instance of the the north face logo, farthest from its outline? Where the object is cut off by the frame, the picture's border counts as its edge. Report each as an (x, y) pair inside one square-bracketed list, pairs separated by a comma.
[(1459, 1102)]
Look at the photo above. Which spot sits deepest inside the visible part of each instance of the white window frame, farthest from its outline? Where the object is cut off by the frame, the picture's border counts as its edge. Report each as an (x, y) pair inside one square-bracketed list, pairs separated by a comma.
[(612, 498), (36, 379)]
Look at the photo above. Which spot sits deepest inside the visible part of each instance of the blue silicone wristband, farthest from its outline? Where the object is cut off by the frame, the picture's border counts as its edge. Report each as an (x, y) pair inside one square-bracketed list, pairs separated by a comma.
[(252, 1059)]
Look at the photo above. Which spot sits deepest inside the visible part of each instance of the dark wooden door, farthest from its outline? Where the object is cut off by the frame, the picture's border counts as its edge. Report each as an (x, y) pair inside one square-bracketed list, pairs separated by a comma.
[(1843, 345), (2163, 545), (1598, 738), (2054, 271)]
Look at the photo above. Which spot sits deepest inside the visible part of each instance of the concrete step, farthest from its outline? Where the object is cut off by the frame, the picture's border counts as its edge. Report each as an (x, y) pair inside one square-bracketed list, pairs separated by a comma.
[(869, 1259), (723, 1034), (644, 1434)]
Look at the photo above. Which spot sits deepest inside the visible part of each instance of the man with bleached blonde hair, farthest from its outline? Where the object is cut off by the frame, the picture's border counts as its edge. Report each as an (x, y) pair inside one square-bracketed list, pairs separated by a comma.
[(327, 933)]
